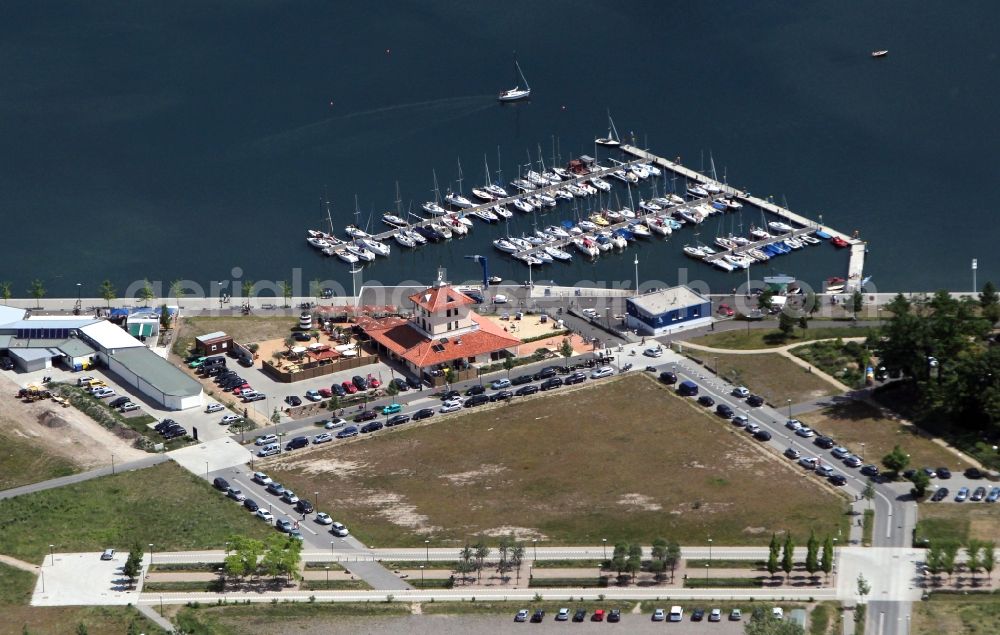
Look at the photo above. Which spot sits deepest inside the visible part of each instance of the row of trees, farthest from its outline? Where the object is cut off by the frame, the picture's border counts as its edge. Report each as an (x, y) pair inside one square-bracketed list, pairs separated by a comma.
[(781, 557), (277, 556), (627, 558), (942, 345), (133, 564), (472, 558), (941, 557)]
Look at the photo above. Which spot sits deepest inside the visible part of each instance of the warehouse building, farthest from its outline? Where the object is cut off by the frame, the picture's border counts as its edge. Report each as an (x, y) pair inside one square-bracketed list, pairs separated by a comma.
[(668, 311)]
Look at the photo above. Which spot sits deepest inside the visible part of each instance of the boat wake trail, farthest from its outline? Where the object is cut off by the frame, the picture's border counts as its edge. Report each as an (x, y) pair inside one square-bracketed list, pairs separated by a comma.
[(394, 121)]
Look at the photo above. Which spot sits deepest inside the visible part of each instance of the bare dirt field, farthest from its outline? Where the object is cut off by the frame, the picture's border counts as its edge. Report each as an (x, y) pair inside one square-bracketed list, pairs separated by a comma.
[(626, 460), (43, 440)]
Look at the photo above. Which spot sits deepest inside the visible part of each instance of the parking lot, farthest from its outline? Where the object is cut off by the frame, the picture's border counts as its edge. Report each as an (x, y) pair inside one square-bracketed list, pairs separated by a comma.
[(82, 579)]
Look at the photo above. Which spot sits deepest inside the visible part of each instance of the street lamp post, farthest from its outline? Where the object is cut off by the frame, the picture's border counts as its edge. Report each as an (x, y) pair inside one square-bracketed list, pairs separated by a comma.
[(862, 452), (150, 554), (605, 541), (112, 465), (421, 575), (331, 546), (206, 469), (52, 555), (710, 550), (706, 570), (534, 547), (789, 408), (427, 551), (327, 575), (317, 499)]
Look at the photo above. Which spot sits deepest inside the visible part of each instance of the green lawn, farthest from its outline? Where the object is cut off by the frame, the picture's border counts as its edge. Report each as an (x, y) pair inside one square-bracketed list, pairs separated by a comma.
[(844, 361), (164, 505), (23, 462), (957, 522), (624, 460), (966, 614), (771, 338), (773, 377), (253, 619)]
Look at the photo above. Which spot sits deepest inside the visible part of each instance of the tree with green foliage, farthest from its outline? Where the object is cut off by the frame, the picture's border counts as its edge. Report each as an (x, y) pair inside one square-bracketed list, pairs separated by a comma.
[(949, 556), (788, 557), (508, 364), (108, 292), (482, 552), (920, 482), (145, 292), (133, 564), (973, 557), (619, 557), (247, 288), (868, 493), (933, 559), (465, 556), (334, 403), (392, 390), (81, 629), (241, 559), (864, 588), (763, 622), (282, 556), (772, 564), (786, 324), (517, 559), (989, 303), (826, 563), (276, 416), (812, 554), (987, 559), (503, 551), (566, 349), (176, 291), (165, 318), (765, 300), (37, 290), (5, 292), (896, 460), (634, 563), (856, 303), (775, 546), (659, 549), (286, 292), (673, 557)]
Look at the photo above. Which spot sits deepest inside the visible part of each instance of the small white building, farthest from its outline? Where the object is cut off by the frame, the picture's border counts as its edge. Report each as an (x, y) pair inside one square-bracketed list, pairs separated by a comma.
[(668, 311)]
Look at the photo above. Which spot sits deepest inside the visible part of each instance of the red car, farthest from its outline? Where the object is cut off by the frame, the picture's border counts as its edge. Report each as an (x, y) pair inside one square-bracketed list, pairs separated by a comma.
[(726, 310), (326, 393), (349, 387), (239, 389), (373, 383), (598, 615)]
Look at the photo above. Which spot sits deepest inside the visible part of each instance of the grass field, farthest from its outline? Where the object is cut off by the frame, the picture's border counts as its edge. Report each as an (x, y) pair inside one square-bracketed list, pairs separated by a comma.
[(164, 505), (245, 329), (23, 461), (627, 460), (853, 423), (773, 377), (958, 522), (771, 338), (17, 618), (975, 614), (254, 619)]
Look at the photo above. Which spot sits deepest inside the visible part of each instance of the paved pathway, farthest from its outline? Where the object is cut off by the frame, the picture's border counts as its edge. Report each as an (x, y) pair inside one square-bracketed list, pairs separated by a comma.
[(19, 564), (150, 461), (155, 617)]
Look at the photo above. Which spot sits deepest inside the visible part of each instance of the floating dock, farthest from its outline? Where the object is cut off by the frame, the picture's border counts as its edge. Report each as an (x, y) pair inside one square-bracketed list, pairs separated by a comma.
[(856, 264)]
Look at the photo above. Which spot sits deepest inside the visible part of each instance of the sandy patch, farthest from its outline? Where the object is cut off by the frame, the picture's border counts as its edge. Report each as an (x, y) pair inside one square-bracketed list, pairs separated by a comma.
[(396, 510), (754, 530), (641, 501), (484, 471), (314, 466), (519, 533)]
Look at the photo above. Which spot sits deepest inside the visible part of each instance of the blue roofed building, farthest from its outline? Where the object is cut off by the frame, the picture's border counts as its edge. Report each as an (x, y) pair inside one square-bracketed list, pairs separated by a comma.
[(668, 311)]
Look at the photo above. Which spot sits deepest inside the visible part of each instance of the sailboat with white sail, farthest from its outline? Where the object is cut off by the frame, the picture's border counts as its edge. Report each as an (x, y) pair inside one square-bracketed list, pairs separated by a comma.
[(612, 139), (516, 93)]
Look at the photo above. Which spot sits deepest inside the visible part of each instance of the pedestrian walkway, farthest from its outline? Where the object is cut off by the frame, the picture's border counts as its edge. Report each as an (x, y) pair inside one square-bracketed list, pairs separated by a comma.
[(155, 617), (153, 459)]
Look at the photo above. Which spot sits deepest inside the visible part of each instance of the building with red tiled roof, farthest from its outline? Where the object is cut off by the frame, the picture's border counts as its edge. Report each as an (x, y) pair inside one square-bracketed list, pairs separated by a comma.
[(444, 331)]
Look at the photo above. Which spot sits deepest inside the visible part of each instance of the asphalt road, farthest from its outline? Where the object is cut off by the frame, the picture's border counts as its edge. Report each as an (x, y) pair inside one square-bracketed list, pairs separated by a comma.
[(153, 459)]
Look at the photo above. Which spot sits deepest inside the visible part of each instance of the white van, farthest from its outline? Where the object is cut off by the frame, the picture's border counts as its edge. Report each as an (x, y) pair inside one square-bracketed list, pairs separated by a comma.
[(676, 614), (269, 450)]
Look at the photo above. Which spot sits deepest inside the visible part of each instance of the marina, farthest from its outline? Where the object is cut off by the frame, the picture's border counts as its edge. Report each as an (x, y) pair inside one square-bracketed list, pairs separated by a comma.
[(588, 234)]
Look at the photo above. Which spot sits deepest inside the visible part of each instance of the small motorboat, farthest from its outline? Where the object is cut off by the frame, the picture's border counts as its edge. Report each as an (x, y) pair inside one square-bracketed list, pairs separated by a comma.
[(547, 200), (793, 243), (621, 175), (318, 243), (651, 169), (404, 239), (613, 216), (393, 221), (564, 174), (624, 234), (639, 171), (688, 216), (429, 232), (810, 240), (414, 236), (658, 225), (626, 213), (618, 240), (577, 191), (356, 232), (455, 225), (725, 243), (758, 255), (604, 242), (345, 255), (564, 194), (759, 234), (502, 211), (781, 228), (587, 226), (558, 254), (694, 252), (839, 242), (495, 280), (649, 206), (505, 245), (441, 229), (496, 191), (360, 251), (880, 53), (722, 263), (696, 191), (484, 215), (528, 259), (586, 246), (520, 243), (537, 179), (599, 220), (600, 184), (639, 230), (378, 248), (556, 232)]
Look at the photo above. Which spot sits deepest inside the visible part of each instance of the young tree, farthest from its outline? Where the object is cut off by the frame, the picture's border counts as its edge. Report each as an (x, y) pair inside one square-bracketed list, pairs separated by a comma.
[(508, 364), (788, 557), (164, 317), (932, 559), (37, 291), (786, 324), (145, 292), (176, 291), (986, 559), (868, 493), (247, 289), (765, 300), (517, 559), (973, 557), (108, 292), (659, 550), (772, 564), (392, 390), (619, 558), (920, 482), (812, 554), (503, 563), (482, 553), (5, 292), (286, 292), (566, 349), (864, 588), (896, 461), (989, 302), (775, 546), (465, 555), (673, 557), (804, 324), (857, 303), (949, 553), (826, 564)]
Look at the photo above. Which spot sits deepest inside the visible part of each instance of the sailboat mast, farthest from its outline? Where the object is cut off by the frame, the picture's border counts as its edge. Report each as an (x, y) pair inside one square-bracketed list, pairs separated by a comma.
[(460, 176)]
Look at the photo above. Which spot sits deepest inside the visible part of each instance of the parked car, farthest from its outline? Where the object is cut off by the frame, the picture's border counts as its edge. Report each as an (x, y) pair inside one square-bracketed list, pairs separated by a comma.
[(537, 616), (398, 420), (574, 378), (322, 518), (562, 615), (392, 409), (580, 615), (853, 461), (360, 382), (545, 373), (668, 377), (257, 396), (214, 407), (349, 387), (598, 616), (823, 469), (706, 401), (338, 390), (264, 515), (220, 483), (615, 615), (550, 383), (793, 424), (870, 470), (524, 391), (793, 454), (119, 402), (304, 507), (715, 615), (697, 615), (236, 495), (676, 614), (838, 479), (349, 431), (128, 406), (423, 413), (978, 495), (840, 452), (739, 421), (824, 442), (994, 495), (808, 462), (502, 395), (653, 351), (261, 478), (251, 505), (659, 615), (521, 616), (940, 494), (283, 525), (522, 379), (266, 439), (741, 392), (323, 437), (755, 401), (374, 426), (805, 432), (293, 401), (336, 422), (450, 406), (943, 472), (365, 415), (275, 488), (602, 371), (724, 411), (498, 384), (337, 529), (762, 435), (687, 388), (400, 384), (735, 615), (962, 495), (725, 310), (289, 497), (269, 450), (313, 395), (476, 400)]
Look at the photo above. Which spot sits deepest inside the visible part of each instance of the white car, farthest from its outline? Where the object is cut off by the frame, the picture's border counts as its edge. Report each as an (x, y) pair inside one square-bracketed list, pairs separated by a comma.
[(793, 424), (266, 439), (214, 407), (128, 406), (809, 462), (715, 615), (752, 428), (778, 613), (450, 406), (324, 437), (263, 479), (500, 383), (336, 422), (226, 420), (805, 431), (603, 371), (103, 393), (676, 614), (338, 529), (562, 615), (741, 391), (659, 615), (323, 518), (263, 514), (500, 299), (289, 497), (655, 351), (824, 470)]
